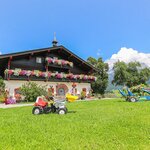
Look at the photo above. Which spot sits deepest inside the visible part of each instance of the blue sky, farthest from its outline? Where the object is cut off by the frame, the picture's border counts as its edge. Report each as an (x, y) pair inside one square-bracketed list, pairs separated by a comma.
[(97, 28)]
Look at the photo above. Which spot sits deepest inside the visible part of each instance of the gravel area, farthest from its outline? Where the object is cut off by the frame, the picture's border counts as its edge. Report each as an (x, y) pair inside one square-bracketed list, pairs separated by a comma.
[(14, 105), (22, 105)]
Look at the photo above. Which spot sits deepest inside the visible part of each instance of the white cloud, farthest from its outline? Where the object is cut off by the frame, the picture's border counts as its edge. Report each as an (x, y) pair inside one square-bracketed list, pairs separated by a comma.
[(98, 52), (127, 55)]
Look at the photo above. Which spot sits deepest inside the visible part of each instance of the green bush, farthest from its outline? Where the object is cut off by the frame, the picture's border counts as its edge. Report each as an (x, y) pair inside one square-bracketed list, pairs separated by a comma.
[(110, 95), (2, 98), (31, 90), (138, 89), (2, 90), (97, 96), (2, 86), (83, 95)]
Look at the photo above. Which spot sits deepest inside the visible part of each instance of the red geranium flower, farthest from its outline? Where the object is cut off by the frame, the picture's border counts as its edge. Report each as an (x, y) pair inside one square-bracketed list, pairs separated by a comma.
[(10, 72), (49, 74)]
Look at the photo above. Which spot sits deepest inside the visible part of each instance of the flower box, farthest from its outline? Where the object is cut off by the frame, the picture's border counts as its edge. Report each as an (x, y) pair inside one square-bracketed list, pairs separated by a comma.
[(59, 62), (39, 75)]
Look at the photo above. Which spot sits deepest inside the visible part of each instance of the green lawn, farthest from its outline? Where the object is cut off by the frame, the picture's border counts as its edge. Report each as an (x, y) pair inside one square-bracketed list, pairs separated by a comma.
[(92, 125)]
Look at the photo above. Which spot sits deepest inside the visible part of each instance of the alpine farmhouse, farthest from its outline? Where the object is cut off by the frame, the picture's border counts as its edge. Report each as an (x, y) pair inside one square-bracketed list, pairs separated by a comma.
[(56, 67)]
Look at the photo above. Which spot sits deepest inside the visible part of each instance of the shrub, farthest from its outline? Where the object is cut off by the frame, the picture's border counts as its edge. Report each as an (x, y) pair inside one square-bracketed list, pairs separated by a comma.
[(2, 98), (83, 95), (97, 96), (31, 90), (138, 89), (2, 90), (2, 86), (110, 95)]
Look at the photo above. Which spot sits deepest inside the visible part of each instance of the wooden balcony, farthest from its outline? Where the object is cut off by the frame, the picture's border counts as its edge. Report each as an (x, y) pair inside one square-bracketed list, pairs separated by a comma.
[(51, 79), (67, 67)]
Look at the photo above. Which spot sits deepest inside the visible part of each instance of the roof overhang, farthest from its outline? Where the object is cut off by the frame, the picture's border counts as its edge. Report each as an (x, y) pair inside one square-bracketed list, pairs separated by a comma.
[(62, 48)]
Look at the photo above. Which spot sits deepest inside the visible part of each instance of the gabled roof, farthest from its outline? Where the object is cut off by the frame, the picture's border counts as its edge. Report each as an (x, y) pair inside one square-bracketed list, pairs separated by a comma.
[(6, 56)]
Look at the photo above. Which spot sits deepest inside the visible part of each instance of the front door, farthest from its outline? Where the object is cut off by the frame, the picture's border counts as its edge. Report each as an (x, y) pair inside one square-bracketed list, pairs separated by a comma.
[(61, 91)]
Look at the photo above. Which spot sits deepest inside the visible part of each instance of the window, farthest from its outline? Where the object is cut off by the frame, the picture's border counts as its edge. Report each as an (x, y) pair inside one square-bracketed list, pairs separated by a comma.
[(38, 60)]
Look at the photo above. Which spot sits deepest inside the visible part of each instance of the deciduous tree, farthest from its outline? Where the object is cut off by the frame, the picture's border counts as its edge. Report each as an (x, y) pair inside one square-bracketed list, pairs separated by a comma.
[(130, 74), (102, 76)]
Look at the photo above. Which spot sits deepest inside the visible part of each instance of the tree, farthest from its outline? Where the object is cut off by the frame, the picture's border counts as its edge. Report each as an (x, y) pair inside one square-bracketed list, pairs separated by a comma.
[(102, 76), (120, 73), (92, 61), (31, 91), (144, 75), (130, 74)]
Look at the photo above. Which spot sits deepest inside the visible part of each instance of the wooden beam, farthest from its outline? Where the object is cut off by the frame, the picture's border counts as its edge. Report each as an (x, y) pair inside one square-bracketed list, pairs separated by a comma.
[(91, 71), (60, 50), (81, 63), (30, 56), (70, 56), (9, 62)]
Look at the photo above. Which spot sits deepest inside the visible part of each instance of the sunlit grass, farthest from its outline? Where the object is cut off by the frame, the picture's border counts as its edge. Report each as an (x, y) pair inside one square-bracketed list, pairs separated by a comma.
[(92, 125)]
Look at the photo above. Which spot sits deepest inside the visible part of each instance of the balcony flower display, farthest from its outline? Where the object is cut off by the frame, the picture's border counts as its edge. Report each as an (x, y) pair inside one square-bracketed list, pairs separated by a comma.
[(49, 74), (17, 72), (63, 62), (64, 75), (32, 73), (36, 73), (8, 71), (49, 60), (22, 72), (75, 77), (78, 76), (28, 73), (70, 64), (69, 76), (57, 75), (53, 74), (57, 61), (81, 76), (43, 74), (85, 77)]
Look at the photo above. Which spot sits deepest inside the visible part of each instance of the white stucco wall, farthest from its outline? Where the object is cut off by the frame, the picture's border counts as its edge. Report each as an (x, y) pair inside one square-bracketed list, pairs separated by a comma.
[(12, 84)]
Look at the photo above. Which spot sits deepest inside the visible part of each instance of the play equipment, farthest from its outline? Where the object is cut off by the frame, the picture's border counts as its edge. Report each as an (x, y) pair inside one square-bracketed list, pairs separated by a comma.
[(131, 97), (145, 97), (10, 100), (71, 98), (58, 106)]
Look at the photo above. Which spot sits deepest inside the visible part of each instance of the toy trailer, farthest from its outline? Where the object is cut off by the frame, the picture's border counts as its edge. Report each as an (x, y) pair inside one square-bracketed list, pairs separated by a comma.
[(147, 97), (130, 97)]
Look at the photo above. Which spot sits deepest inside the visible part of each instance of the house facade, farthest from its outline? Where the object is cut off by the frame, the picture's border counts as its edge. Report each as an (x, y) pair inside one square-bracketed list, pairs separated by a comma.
[(56, 67)]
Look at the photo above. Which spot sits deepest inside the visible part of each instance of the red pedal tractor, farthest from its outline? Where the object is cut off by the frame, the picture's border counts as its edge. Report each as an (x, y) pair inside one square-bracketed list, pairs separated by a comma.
[(41, 106)]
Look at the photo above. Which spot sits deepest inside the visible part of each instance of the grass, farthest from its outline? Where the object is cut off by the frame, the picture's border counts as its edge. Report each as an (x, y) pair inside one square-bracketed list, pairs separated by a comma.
[(96, 125)]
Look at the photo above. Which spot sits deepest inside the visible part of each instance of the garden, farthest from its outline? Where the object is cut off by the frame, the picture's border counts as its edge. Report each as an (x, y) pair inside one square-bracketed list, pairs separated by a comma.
[(98, 124)]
